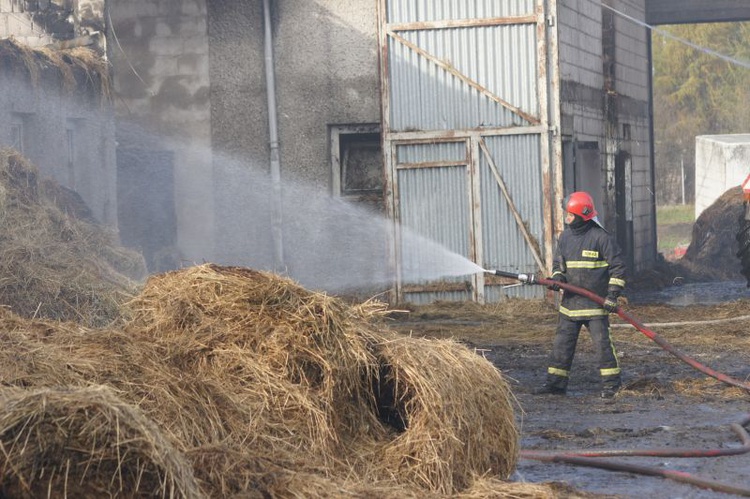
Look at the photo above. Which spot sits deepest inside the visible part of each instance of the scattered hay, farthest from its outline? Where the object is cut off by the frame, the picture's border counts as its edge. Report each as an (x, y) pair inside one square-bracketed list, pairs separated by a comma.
[(56, 266), (512, 320), (551, 434), (502, 311), (708, 387), (492, 488), (85, 443), (648, 386)]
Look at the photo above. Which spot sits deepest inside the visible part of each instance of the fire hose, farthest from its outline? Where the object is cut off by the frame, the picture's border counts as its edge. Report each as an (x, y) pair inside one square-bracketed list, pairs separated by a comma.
[(590, 458)]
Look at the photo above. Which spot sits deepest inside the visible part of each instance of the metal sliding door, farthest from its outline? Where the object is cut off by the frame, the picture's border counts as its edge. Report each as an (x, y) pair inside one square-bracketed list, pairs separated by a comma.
[(467, 140)]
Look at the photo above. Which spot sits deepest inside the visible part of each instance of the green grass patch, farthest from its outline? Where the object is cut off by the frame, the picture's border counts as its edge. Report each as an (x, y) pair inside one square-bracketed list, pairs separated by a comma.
[(676, 214), (674, 226)]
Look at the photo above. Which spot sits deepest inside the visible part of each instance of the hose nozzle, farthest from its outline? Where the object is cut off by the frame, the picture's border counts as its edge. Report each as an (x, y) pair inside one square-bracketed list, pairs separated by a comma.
[(524, 278)]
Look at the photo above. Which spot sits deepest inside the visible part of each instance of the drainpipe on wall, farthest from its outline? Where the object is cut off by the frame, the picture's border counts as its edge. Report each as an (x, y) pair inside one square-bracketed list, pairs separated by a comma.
[(273, 135)]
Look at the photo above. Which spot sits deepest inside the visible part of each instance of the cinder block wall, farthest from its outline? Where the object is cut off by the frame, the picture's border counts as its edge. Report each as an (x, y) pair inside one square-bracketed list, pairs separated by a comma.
[(159, 51), (632, 77), (585, 117)]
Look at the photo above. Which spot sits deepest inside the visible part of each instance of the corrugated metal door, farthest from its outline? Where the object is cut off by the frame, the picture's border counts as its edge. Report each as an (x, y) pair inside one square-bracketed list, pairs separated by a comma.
[(467, 139)]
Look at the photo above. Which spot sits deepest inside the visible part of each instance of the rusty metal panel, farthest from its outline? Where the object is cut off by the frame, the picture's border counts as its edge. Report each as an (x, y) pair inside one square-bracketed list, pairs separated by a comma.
[(433, 206), (431, 152), (452, 75), (400, 11), (517, 162)]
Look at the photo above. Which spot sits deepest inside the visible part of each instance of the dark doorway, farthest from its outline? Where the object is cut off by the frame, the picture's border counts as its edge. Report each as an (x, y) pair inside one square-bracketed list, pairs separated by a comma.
[(145, 206), (624, 205)]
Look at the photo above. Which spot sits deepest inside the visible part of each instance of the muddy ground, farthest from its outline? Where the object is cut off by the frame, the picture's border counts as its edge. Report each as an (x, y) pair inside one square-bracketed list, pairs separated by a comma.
[(665, 402)]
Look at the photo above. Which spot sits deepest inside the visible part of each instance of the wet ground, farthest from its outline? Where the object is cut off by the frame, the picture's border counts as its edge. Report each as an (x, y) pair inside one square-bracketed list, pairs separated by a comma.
[(647, 414), (701, 293), (665, 402)]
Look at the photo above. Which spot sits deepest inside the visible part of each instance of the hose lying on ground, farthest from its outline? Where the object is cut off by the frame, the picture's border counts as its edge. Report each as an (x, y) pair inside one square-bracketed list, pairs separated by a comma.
[(589, 458), (646, 331)]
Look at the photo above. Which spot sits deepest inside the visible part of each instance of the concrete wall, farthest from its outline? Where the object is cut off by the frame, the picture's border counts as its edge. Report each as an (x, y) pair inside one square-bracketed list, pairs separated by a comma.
[(17, 21), (604, 81), (326, 71), (159, 52), (190, 79), (721, 162)]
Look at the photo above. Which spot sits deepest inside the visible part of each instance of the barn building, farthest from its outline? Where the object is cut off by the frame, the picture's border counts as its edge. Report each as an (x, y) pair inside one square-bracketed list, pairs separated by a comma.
[(461, 123)]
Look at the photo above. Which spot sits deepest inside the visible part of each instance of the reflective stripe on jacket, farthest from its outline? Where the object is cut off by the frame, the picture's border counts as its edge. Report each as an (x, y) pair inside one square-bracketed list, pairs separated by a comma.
[(590, 258)]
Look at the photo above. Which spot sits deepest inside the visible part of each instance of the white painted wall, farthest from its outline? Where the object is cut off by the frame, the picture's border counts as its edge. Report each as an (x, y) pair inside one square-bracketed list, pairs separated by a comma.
[(721, 162)]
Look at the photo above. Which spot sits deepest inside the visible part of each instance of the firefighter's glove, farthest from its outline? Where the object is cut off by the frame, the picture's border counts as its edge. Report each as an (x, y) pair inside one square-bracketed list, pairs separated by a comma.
[(557, 278), (610, 305), (610, 302)]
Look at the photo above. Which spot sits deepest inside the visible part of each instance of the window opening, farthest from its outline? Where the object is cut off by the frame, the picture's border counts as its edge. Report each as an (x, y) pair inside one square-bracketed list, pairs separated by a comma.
[(357, 164)]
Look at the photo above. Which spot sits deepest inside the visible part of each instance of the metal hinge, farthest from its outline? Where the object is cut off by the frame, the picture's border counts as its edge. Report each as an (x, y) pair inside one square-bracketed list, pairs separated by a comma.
[(550, 21)]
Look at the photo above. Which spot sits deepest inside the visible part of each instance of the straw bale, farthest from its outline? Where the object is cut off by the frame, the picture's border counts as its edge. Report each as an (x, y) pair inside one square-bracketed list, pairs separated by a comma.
[(85, 443), (456, 410), (56, 266), (296, 373), (49, 354), (294, 359), (25, 360), (265, 386)]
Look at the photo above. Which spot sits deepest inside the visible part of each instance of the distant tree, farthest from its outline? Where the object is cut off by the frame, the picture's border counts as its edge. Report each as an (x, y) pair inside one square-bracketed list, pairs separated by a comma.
[(696, 92)]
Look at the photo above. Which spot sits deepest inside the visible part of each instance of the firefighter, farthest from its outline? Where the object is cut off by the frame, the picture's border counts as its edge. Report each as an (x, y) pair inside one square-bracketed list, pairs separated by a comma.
[(743, 236), (588, 257)]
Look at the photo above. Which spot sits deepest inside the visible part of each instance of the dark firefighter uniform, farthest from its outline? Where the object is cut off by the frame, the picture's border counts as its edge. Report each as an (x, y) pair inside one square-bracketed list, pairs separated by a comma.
[(589, 258)]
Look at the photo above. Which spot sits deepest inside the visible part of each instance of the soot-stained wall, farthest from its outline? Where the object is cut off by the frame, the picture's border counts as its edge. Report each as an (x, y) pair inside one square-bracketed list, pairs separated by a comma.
[(605, 114)]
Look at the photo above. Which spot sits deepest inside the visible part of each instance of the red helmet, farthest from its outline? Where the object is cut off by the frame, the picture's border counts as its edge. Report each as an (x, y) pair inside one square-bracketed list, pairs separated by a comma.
[(581, 204)]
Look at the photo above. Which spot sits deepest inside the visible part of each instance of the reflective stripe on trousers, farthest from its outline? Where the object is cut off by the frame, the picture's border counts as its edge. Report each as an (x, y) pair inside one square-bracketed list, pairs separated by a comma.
[(564, 346)]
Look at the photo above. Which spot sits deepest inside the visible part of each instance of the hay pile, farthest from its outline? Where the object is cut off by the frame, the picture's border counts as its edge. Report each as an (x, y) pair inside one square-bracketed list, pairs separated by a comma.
[(53, 264), (261, 388), (78, 71), (50, 436), (713, 247)]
